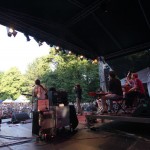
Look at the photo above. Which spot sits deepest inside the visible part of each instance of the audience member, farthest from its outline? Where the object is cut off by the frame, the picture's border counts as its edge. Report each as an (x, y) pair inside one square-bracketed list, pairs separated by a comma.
[(78, 94)]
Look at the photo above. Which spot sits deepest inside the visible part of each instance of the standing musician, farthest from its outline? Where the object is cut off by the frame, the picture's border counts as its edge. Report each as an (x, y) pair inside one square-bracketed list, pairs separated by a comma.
[(39, 92)]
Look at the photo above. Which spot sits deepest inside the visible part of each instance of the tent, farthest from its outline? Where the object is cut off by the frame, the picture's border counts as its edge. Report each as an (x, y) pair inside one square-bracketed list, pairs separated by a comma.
[(22, 99), (144, 76), (8, 101)]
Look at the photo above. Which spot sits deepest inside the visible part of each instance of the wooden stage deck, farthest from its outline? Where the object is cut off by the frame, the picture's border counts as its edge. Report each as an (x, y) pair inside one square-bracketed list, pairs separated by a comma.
[(117, 118)]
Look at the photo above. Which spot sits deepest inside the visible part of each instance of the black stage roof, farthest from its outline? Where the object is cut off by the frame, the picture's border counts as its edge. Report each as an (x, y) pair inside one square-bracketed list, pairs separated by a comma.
[(93, 28)]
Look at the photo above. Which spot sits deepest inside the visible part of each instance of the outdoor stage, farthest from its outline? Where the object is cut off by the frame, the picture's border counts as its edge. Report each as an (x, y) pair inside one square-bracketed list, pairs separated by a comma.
[(123, 118), (111, 135)]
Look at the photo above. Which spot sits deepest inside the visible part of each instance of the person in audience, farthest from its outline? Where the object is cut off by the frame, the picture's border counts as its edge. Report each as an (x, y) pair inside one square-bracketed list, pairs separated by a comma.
[(137, 90), (115, 92), (78, 94)]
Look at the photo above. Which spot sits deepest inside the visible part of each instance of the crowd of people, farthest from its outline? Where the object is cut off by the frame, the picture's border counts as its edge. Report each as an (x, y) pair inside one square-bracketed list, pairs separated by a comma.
[(7, 110)]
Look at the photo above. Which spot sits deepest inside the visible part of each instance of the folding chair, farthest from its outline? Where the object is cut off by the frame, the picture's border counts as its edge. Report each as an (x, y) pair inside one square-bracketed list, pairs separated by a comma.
[(140, 99), (92, 95), (118, 104)]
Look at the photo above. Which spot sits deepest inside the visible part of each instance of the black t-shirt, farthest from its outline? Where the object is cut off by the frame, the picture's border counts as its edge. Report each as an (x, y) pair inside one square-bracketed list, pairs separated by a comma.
[(78, 92), (115, 87)]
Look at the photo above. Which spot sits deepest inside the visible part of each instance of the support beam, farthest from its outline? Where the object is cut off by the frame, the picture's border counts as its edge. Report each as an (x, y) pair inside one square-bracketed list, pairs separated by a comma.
[(85, 12), (117, 118), (107, 32), (144, 14), (115, 41), (128, 51)]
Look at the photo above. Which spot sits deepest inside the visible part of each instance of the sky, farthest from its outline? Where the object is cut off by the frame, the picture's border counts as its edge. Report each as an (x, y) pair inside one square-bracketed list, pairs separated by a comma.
[(18, 52)]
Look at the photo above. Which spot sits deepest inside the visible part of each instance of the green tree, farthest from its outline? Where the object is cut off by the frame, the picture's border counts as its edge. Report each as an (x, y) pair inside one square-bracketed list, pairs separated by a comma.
[(11, 83), (36, 70), (68, 70), (63, 70)]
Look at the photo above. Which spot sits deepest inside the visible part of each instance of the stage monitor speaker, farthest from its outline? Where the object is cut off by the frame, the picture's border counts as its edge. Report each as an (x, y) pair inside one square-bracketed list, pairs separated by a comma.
[(73, 117), (35, 123), (142, 111), (18, 117)]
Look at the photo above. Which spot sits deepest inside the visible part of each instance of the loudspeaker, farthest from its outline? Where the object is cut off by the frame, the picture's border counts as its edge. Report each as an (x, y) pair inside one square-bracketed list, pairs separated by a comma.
[(58, 97), (35, 123), (73, 117), (18, 117), (142, 111)]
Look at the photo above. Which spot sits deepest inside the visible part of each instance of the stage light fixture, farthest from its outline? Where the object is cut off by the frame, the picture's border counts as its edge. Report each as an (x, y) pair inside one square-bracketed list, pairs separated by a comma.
[(69, 52), (11, 32), (81, 57), (40, 43), (57, 47), (14, 33), (27, 37), (51, 45)]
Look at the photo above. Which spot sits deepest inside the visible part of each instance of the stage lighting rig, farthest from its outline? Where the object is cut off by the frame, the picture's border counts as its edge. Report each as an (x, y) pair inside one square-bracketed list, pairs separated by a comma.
[(27, 37), (11, 31)]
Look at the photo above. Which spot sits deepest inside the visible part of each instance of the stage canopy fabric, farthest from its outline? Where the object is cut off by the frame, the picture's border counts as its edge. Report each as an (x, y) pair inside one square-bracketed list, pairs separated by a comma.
[(109, 28)]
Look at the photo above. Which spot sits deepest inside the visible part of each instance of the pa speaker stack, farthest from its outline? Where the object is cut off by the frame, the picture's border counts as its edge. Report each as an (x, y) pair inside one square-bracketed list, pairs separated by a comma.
[(73, 117), (35, 123), (18, 117), (58, 97), (143, 110)]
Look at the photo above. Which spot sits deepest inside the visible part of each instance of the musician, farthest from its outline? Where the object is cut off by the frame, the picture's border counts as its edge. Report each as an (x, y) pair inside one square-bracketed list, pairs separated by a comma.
[(115, 92), (129, 82), (136, 91), (39, 92)]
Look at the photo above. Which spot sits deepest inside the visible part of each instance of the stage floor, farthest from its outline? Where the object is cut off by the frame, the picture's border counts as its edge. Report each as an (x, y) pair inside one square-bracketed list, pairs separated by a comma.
[(110, 136)]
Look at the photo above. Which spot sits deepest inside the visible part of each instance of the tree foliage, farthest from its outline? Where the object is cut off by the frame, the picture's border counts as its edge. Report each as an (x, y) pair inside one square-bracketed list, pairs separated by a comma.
[(58, 69), (11, 84), (68, 70)]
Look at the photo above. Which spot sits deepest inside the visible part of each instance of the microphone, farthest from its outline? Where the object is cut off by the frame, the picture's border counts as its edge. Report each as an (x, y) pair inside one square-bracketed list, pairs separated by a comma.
[(26, 94)]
